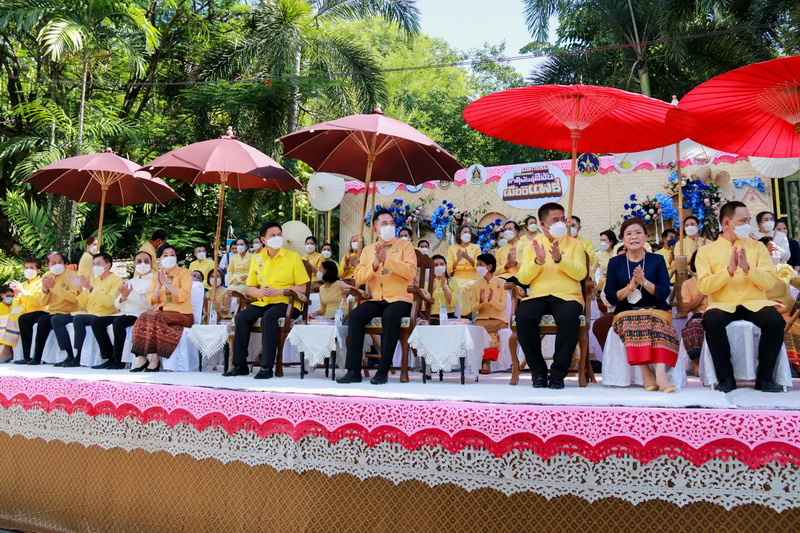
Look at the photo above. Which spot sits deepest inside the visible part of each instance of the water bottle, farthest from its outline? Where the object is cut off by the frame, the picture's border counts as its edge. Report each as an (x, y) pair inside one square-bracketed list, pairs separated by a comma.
[(338, 318), (212, 318), (443, 316)]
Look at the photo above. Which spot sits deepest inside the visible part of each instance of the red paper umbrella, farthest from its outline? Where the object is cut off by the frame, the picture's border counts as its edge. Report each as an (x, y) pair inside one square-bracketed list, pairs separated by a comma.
[(578, 118), (753, 110)]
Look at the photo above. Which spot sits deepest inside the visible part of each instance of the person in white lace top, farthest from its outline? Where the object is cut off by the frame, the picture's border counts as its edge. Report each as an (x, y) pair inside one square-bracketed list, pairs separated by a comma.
[(131, 302)]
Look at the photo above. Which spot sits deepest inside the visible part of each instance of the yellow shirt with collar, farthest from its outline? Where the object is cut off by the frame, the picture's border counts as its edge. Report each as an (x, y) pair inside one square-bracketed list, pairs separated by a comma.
[(163, 300), (62, 298), (238, 266), (85, 265), (391, 280), (601, 259), (689, 292), (562, 279), (205, 266), (29, 300), (494, 308), (440, 299), (283, 271), (670, 264), (346, 270), (727, 292), (588, 246), (502, 254), (100, 300), (691, 245), (150, 249), (314, 259), (463, 271)]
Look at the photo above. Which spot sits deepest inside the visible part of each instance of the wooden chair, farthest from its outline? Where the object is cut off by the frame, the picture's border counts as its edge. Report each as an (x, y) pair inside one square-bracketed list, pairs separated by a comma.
[(420, 308), (285, 328), (584, 369)]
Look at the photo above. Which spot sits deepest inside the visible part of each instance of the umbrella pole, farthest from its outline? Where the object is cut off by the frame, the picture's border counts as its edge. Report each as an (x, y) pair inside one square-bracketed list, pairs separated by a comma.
[(370, 161), (223, 180), (681, 262), (102, 215), (576, 134)]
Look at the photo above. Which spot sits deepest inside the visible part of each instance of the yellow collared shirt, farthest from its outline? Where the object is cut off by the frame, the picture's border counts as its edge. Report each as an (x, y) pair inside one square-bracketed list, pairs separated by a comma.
[(691, 245), (314, 259), (283, 271), (162, 300), (463, 271), (85, 265), (346, 270), (670, 264), (100, 301), (439, 298), (205, 266), (588, 246), (727, 292), (62, 298), (562, 279), (390, 282), (494, 308), (238, 266), (502, 253), (147, 247), (30, 298)]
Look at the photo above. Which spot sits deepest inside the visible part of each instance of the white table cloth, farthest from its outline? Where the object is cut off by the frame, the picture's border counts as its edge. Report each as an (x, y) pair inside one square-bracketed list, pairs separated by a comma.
[(317, 341), (210, 341), (618, 373), (743, 337), (443, 346)]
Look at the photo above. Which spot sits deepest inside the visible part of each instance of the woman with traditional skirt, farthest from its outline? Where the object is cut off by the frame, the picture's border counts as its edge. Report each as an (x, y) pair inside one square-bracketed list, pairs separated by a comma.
[(694, 302), (158, 332), (637, 284)]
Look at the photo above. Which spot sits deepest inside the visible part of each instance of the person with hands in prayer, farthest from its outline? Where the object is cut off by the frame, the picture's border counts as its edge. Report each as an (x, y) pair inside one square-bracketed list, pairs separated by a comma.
[(445, 289), (490, 306), (461, 265)]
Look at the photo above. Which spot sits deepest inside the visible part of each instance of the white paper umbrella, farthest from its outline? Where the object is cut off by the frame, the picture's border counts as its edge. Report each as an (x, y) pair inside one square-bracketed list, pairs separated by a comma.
[(325, 190), (295, 234), (775, 167), (666, 155)]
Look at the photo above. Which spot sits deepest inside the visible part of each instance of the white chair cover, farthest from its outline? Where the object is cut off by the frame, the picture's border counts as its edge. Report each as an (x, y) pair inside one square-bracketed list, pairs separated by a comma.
[(618, 373)]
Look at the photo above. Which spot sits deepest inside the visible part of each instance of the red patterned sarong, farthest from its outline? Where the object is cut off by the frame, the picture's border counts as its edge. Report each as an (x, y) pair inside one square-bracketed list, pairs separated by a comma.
[(648, 336), (158, 332)]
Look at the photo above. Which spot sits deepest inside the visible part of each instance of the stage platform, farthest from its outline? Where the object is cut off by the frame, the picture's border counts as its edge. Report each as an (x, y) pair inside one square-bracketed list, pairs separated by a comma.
[(84, 449)]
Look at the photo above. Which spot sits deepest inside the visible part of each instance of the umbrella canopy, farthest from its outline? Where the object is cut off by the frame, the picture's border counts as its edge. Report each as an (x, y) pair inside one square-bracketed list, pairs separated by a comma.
[(325, 190), (103, 177), (753, 110), (686, 149), (295, 234), (775, 167), (576, 118)]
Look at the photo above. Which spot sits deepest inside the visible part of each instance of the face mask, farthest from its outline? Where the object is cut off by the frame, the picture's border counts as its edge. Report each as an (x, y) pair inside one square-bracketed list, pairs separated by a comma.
[(169, 262), (241, 248), (768, 226), (425, 250), (481, 271), (743, 231), (691, 231), (508, 234), (354, 245), (439, 270), (407, 239), (93, 249), (214, 282), (776, 259), (502, 242), (466, 237), (256, 246), (319, 275), (326, 254), (310, 248), (573, 231), (98, 270), (143, 269), (533, 227), (387, 233), (29, 273), (275, 242), (57, 269), (605, 245), (8, 300), (558, 230), (672, 242), (200, 255)]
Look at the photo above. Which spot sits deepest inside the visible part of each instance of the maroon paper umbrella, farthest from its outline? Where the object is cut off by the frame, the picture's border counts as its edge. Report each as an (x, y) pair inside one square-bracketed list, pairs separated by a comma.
[(104, 177), (371, 148), (576, 118), (226, 161)]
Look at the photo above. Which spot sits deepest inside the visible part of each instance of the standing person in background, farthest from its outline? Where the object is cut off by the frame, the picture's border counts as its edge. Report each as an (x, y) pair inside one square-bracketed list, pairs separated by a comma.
[(202, 264), (225, 259), (89, 251), (313, 257), (461, 264), (26, 300), (766, 228), (794, 246), (159, 238), (509, 254), (347, 268), (406, 235), (239, 266), (575, 231), (445, 289), (424, 247), (491, 306), (693, 240)]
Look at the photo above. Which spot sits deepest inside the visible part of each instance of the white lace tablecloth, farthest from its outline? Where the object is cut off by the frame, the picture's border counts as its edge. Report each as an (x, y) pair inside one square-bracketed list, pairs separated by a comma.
[(210, 340), (443, 346), (317, 341)]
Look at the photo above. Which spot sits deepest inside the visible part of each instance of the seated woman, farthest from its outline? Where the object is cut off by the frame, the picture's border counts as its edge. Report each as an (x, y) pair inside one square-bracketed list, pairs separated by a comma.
[(600, 266), (218, 296), (239, 266), (327, 252), (331, 292), (424, 247), (461, 258), (347, 268), (445, 290), (490, 304), (694, 302), (158, 332), (638, 286)]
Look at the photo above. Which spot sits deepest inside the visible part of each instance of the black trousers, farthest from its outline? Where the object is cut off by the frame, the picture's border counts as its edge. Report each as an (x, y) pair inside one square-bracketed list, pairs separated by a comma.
[(768, 319), (119, 325), (391, 314), (79, 325), (26, 323), (269, 315), (567, 317)]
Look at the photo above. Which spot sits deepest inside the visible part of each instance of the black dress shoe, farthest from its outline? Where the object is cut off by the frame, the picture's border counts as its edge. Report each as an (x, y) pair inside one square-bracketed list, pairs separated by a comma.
[(352, 376), (103, 365), (33, 362), (64, 362), (113, 365), (140, 368), (156, 369), (556, 383), (238, 370), (264, 373), (540, 382), (726, 385), (765, 385), (70, 363), (380, 378), (21, 361), (7, 359)]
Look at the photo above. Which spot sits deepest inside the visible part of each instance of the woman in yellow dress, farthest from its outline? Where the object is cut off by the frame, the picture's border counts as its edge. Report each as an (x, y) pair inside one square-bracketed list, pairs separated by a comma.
[(331, 292), (461, 264), (347, 268), (218, 296), (445, 289), (607, 243), (239, 266)]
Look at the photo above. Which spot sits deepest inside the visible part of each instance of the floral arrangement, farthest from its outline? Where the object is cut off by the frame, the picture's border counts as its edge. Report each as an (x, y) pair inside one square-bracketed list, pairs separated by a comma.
[(649, 210), (488, 236), (702, 200), (401, 212), (440, 220), (667, 207), (754, 182)]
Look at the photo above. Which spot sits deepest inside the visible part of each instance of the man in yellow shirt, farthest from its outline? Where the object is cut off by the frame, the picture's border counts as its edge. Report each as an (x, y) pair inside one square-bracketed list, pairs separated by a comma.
[(202, 264), (160, 237), (736, 272), (272, 270), (575, 230), (554, 265), (97, 296), (667, 251), (387, 267), (313, 257)]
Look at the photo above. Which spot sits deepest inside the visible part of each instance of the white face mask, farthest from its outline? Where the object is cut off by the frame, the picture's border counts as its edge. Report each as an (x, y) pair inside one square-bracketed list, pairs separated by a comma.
[(558, 230), (508, 234), (93, 249), (8, 300), (482, 270), (776, 259), (768, 226), (142, 269), (98, 270), (439, 270), (743, 231), (310, 248), (57, 269), (326, 254), (533, 227), (29, 273), (425, 250), (387, 233), (605, 245), (573, 231), (241, 248), (406, 238), (466, 237), (214, 282), (256, 246), (502, 242), (691, 231), (354, 245), (275, 242), (200, 255), (169, 262), (319, 275)]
